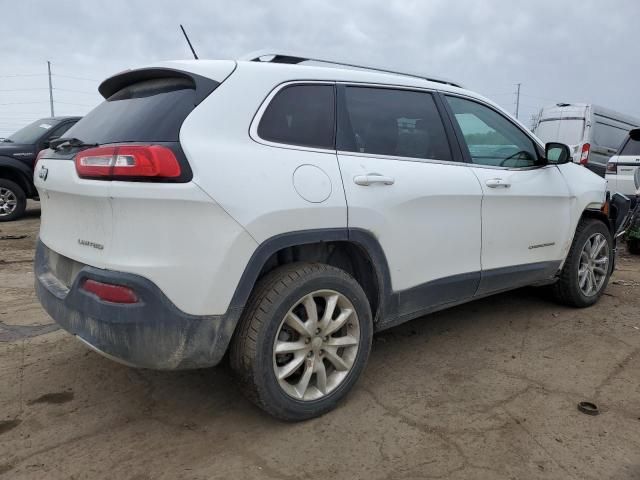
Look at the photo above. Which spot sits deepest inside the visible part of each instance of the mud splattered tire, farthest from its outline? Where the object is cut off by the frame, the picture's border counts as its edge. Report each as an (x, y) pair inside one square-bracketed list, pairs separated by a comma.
[(303, 340), (586, 271)]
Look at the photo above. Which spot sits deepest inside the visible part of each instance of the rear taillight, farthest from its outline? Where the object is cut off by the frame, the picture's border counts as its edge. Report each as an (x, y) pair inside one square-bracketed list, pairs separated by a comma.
[(612, 168), (584, 156), (128, 162), (109, 292)]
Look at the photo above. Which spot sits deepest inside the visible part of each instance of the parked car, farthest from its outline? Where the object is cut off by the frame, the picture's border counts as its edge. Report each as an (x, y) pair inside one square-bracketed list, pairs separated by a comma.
[(17, 158), (284, 213), (623, 176), (593, 133)]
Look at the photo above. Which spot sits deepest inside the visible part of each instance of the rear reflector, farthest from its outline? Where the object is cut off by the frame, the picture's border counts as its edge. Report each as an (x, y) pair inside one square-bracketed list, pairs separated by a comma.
[(584, 156), (127, 161), (110, 292), (612, 168)]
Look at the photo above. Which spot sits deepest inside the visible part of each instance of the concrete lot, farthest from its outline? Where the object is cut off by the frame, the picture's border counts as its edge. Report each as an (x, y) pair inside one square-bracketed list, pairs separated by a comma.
[(485, 390)]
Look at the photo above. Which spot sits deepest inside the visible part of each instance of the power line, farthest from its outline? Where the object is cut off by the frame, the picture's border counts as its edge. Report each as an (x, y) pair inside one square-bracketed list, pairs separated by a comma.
[(22, 103), (77, 78), (23, 75), (75, 91)]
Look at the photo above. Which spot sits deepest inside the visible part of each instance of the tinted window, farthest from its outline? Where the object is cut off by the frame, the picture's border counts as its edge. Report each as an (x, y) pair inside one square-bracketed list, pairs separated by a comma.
[(31, 133), (146, 111), (491, 138), (301, 115), (606, 135), (61, 130), (631, 148), (392, 122)]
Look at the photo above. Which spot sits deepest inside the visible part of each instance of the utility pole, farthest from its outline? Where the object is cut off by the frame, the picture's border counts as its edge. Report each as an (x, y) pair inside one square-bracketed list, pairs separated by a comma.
[(50, 88), (518, 100)]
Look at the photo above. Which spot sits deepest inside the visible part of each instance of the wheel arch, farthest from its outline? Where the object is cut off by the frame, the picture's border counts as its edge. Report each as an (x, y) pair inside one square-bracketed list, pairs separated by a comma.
[(356, 251), (17, 172)]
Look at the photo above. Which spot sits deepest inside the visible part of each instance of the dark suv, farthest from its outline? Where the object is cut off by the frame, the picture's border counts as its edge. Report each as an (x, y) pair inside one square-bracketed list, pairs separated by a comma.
[(17, 159)]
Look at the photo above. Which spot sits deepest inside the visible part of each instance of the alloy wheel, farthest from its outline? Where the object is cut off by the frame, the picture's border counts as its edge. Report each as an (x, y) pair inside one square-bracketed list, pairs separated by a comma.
[(8, 202), (594, 265), (316, 345)]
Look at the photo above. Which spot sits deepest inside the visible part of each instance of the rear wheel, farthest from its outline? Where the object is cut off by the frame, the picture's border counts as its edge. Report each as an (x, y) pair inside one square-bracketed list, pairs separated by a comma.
[(303, 340), (13, 201), (587, 268)]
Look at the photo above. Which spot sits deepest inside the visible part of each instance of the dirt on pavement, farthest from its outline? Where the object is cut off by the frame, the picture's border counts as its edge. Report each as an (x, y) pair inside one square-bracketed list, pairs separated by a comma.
[(487, 390)]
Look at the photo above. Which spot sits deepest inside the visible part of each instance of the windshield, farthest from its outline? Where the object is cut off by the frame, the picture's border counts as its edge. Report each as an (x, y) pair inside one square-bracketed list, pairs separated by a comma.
[(32, 133), (569, 132)]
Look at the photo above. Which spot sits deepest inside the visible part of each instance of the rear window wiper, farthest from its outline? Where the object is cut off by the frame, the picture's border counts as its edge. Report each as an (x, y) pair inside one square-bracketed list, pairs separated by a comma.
[(59, 143)]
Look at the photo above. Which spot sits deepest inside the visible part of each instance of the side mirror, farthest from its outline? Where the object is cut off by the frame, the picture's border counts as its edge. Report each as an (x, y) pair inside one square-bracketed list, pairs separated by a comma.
[(557, 153)]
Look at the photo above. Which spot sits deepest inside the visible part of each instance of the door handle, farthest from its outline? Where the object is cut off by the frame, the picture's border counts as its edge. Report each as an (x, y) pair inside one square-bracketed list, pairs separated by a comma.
[(497, 183), (371, 178)]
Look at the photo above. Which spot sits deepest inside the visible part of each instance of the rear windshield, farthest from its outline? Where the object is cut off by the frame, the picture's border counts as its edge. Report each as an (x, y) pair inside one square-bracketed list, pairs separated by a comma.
[(631, 148), (569, 132), (147, 111)]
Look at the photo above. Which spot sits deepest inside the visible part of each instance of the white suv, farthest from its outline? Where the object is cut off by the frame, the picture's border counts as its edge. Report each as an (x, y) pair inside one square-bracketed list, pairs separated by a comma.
[(285, 213), (623, 169)]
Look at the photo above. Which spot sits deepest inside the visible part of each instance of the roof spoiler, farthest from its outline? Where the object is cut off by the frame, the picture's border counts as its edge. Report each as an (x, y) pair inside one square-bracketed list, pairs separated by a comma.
[(202, 85)]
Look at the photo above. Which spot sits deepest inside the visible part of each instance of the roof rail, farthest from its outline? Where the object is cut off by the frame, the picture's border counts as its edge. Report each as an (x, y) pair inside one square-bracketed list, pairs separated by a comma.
[(295, 58)]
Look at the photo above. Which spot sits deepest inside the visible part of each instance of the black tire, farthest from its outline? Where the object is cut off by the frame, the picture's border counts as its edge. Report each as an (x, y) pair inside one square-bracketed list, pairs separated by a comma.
[(567, 289), (21, 200), (633, 245), (251, 351)]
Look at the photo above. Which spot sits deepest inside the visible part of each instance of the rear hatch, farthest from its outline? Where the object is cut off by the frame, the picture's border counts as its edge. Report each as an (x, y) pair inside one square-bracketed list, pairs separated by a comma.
[(84, 215), (623, 170)]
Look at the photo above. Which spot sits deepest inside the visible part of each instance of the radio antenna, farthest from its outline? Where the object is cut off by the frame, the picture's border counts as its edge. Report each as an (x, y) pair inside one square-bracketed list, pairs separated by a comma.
[(189, 42)]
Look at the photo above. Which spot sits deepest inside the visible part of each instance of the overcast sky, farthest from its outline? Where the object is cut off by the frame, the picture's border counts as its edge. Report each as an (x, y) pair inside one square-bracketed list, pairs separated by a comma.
[(560, 50)]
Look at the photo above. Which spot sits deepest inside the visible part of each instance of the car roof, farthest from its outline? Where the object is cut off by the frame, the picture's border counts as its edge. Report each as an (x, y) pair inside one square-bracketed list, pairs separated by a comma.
[(278, 73)]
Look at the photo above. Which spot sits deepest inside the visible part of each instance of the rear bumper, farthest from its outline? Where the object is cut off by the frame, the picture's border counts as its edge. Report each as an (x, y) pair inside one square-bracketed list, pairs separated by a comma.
[(152, 333)]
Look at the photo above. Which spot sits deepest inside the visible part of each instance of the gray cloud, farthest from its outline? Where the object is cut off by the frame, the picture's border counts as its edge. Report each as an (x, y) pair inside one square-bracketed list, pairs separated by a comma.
[(559, 50)]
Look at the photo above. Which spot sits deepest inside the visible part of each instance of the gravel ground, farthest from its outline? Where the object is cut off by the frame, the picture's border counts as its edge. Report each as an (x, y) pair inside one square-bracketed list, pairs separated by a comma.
[(487, 390)]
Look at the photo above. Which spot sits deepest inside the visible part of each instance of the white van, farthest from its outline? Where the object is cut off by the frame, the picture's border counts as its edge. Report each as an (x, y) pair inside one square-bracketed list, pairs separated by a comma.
[(593, 133)]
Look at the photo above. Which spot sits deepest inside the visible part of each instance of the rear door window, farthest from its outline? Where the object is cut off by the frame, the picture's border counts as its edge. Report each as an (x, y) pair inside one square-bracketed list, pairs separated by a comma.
[(383, 121), (301, 115)]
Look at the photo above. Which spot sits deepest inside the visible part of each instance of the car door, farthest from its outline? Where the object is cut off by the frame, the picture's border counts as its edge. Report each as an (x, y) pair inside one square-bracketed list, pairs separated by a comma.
[(526, 204), (405, 186)]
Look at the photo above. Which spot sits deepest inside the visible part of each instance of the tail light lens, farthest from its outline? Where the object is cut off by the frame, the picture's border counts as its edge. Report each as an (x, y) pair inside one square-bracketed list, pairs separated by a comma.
[(110, 292), (128, 161), (584, 156), (612, 168)]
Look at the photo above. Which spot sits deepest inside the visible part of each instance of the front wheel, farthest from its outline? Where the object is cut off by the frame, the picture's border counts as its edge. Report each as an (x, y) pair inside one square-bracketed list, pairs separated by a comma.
[(13, 201), (587, 268), (303, 340)]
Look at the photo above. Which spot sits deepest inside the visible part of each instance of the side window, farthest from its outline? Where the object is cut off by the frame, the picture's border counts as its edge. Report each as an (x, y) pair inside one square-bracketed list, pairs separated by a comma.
[(385, 121), (60, 130), (301, 115), (491, 138), (609, 136), (631, 147)]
